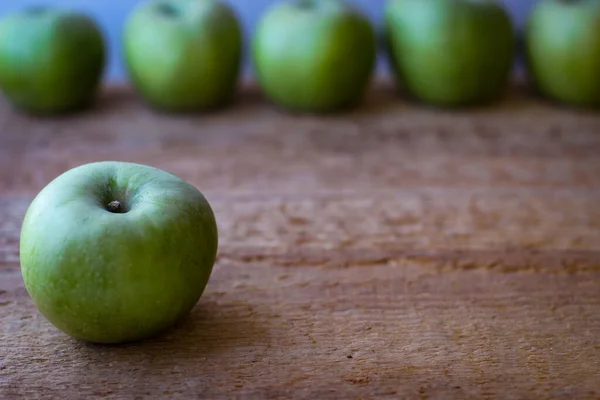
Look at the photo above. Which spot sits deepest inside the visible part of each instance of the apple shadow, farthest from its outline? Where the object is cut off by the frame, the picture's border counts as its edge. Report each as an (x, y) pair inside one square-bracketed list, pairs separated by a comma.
[(378, 97), (211, 328), (386, 94), (40, 116), (532, 93), (381, 96), (122, 97), (468, 107)]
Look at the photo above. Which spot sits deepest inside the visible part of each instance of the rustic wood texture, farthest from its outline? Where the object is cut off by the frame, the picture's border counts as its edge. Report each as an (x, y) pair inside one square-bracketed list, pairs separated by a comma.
[(393, 252)]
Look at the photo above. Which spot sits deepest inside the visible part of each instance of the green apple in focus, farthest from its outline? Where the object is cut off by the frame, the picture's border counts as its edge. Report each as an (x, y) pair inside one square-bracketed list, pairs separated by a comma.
[(450, 53), (183, 55), (114, 252), (314, 55), (562, 40), (51, 60)]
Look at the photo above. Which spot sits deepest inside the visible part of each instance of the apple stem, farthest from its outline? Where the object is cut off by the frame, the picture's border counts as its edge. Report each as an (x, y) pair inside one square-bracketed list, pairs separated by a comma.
[(115, 206)]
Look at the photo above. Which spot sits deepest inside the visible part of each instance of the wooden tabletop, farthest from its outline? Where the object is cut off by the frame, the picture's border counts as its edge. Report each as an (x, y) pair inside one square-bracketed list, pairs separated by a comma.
[(393, 252)]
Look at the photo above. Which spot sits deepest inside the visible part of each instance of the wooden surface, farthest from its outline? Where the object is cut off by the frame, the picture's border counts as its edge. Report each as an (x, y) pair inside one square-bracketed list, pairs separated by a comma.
[(395, 252)]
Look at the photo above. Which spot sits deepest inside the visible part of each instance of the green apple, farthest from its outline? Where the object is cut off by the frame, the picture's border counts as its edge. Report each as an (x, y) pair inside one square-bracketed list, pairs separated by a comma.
[(183, 55), (114, 252), (51, 60), (562, 40), (450, 53), (314, 55)]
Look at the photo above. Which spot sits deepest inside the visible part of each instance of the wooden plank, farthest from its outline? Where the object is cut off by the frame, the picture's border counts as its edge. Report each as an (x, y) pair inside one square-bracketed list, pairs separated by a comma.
[(394, 252)]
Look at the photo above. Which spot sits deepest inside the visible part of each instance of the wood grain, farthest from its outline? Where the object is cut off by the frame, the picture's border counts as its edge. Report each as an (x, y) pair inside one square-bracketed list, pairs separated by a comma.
[(393, 252)]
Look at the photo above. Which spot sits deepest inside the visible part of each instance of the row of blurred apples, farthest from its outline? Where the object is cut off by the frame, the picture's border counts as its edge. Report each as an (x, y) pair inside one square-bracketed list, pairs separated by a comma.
[(313, 56)]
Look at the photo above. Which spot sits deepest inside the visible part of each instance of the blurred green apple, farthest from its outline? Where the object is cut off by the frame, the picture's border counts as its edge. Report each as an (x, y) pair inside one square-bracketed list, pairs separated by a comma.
[(450, 52), (113, 252), (314, 55), (562, 40), (183, 55), (51, 60)]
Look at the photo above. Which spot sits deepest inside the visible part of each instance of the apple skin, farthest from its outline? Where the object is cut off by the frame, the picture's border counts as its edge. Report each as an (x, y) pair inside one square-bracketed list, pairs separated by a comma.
[(183, 55), (108, 277), (450, 53), (51, 60), (562, 41), (314, 55)]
